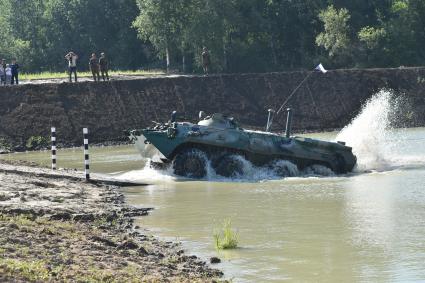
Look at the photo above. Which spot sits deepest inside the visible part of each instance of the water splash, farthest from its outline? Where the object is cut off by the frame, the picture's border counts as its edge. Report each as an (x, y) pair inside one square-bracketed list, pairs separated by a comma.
[(250, 173), (147, 150), (374, 139)]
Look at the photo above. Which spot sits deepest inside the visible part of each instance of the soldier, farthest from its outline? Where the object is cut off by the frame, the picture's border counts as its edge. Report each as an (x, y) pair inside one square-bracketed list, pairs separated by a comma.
[(94, 67), (15, 72), (72, 64), (104, 66), (205, 60)]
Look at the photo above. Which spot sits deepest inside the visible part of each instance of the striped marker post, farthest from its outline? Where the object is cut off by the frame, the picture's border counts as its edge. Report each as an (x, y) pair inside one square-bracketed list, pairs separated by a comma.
[(86, 153), (53, 139)]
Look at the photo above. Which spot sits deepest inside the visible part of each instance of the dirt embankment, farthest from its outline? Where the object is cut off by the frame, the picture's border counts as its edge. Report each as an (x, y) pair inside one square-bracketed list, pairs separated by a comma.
[(325, 101), (56, 228)]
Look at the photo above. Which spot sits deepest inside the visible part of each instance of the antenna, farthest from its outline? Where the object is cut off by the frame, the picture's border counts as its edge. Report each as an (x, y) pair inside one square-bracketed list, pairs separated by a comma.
[(269, 120), (270, 116)]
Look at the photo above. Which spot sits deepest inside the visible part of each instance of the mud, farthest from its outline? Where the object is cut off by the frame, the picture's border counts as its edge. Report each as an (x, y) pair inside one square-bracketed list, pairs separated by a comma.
[(58, 228)]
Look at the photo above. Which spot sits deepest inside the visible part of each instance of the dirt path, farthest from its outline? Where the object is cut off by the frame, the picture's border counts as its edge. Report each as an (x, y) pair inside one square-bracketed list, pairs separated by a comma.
[(60, 229)]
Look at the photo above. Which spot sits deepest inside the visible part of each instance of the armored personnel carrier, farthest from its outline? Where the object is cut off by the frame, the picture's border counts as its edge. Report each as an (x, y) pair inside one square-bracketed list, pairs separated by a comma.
[(222, 142)]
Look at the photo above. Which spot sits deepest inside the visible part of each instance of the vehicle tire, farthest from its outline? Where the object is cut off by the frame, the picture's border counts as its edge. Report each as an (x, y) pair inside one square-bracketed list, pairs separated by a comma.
[(229, 166), (190, 163), (284, 168)]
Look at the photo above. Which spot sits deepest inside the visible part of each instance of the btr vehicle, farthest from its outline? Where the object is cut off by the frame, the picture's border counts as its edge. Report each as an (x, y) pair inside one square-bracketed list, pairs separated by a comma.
[(219, 142)]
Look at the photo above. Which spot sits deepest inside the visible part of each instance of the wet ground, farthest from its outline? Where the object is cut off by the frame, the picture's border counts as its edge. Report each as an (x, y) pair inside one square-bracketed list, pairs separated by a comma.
[(55, 227)]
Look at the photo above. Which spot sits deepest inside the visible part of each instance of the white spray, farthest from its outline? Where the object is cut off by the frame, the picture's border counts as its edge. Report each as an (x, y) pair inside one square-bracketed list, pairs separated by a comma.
[(374, 141)]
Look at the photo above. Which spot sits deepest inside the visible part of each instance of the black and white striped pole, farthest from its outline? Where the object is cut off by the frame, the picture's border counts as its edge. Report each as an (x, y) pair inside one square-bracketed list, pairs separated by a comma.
[(53, 139), (86, 153)]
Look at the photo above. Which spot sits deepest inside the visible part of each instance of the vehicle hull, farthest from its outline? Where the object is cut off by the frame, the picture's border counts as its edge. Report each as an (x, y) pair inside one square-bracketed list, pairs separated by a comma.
[(260, 148)]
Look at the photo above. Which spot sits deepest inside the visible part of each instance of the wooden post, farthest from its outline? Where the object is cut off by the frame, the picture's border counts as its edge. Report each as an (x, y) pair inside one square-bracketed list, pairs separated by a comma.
[(53, 139), (86, 153)]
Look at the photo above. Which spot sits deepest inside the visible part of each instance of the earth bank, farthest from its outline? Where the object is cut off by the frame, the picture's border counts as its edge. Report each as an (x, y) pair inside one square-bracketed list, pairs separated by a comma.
[(326, 101), (55, 227)]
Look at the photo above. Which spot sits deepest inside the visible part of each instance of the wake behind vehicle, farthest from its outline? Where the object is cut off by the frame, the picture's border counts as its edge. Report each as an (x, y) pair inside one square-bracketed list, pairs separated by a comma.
[(219, 141)]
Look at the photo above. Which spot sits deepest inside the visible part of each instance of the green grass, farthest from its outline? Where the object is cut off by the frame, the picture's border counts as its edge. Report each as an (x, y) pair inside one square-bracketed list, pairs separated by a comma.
[(225, 237), (64, 75), (35, 270)]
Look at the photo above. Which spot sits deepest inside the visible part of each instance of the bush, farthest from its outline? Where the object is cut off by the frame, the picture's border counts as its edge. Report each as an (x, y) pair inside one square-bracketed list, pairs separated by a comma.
[(5, 146), (36, 142)]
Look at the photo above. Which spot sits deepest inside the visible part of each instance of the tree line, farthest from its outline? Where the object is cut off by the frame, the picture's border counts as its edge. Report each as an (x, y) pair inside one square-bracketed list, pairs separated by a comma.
[(241, 35)]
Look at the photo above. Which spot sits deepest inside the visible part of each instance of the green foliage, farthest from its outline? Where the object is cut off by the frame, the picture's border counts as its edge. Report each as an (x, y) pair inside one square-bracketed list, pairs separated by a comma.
[(225, 237), (335, 39), (242, 35), (371, 36), (39, 33), (399, 6), (36, 142)]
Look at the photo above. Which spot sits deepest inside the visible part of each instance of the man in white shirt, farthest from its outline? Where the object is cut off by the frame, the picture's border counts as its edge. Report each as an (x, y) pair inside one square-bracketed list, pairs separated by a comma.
[(72, 64), (8, 72)]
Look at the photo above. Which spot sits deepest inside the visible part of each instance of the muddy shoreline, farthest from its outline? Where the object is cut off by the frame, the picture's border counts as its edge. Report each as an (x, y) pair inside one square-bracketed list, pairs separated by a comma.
[(56, 227)]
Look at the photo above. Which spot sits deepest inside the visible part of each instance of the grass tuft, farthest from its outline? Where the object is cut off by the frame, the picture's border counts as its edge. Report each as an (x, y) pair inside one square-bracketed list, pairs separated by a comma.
[(225, 237)]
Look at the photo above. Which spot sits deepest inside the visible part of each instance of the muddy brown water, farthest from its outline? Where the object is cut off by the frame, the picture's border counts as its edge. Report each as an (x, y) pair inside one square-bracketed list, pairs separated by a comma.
[(364, 227)]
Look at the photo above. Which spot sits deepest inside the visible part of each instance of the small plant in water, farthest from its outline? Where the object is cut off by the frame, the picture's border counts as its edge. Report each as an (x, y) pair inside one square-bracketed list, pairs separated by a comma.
[(225, 237)]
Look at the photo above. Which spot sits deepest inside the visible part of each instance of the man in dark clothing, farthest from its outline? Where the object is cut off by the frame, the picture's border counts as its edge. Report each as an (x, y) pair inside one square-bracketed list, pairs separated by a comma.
[(206, 60), (94, 67), (103, 63), (3, 73), (15, 71)]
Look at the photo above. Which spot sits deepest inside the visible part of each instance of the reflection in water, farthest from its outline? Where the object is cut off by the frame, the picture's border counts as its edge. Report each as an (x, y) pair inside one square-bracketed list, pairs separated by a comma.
[(387, 218), (329, 229)]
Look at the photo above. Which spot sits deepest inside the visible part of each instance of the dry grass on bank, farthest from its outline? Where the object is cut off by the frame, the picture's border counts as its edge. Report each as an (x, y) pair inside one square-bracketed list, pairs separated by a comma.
[(63, 75)]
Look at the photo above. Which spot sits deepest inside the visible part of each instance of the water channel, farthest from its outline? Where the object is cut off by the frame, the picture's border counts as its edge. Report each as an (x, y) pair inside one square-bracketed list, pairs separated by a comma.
[(367, 226)]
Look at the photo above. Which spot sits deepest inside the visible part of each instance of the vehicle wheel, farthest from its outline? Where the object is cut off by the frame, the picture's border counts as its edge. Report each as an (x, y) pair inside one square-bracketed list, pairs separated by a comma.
[(190, 163), (229, 166), (284, 168)]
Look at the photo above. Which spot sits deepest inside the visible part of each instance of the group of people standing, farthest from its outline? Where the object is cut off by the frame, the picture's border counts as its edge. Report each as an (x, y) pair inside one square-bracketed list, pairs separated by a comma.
[(97, 66), (9, 73)]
